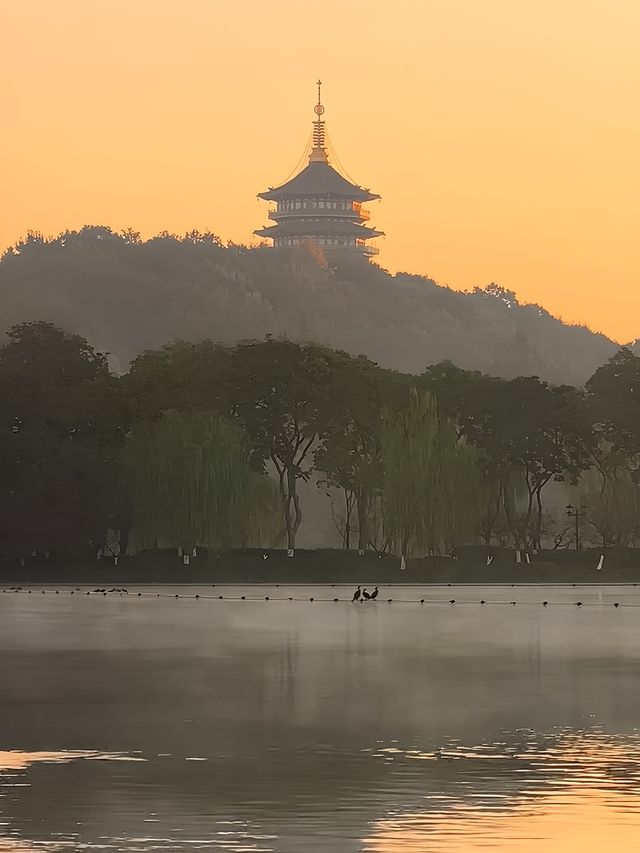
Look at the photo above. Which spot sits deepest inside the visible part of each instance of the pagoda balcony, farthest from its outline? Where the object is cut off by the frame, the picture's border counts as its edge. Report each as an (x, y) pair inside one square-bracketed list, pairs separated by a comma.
[(319, 212), (366, 250)]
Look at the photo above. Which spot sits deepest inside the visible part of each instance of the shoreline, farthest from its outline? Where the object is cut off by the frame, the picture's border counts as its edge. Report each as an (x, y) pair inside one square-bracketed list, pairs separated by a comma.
[(328, 566)]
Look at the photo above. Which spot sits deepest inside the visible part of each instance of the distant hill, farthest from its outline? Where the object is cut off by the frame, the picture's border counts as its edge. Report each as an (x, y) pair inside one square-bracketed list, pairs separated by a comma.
[(126, 295)]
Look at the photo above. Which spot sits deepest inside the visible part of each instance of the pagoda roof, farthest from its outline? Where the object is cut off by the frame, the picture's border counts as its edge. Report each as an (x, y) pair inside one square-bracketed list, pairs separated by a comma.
[(314, 227), (319, 178)]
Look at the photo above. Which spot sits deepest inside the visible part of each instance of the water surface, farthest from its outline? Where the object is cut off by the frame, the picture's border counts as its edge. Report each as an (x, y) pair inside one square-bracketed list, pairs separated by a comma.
[(162, 723)]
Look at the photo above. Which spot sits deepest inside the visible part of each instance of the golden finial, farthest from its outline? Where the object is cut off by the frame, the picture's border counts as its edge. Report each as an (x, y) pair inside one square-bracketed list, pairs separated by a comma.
[(318, 152)]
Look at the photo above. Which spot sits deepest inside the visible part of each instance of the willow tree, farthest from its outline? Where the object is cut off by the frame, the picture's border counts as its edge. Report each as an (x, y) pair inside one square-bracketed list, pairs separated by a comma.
[(190, 483), (431, 479)]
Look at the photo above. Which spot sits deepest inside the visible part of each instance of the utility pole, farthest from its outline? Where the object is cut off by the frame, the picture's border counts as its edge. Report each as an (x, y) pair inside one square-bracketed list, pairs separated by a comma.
[(575, 513)]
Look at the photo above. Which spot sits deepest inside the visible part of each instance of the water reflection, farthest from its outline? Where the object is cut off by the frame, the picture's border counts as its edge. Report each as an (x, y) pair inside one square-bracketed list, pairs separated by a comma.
[(143, 724), (588, 799), (16, 760)]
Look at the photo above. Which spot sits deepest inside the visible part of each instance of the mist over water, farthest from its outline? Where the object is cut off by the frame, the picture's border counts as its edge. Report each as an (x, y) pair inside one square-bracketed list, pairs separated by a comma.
[(156, 723)]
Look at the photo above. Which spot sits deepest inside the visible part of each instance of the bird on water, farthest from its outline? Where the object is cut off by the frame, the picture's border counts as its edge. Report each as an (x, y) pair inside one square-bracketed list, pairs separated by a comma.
[(356, 595)]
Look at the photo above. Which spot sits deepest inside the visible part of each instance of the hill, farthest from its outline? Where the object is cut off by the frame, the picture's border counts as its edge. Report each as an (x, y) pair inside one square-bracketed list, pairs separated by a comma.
[(126, 295)]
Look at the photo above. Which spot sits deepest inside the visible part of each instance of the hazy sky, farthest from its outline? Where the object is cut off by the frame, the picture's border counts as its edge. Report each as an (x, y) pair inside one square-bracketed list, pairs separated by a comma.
[(503, 135)]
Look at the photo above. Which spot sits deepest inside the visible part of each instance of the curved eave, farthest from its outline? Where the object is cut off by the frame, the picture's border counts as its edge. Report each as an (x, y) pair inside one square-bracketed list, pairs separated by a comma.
[(313, 229), (320, 180), (358, 194)]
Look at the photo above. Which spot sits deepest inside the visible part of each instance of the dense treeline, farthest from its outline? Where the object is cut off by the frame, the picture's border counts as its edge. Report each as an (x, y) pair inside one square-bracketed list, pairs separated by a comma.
[(125, 296), (208, 445)]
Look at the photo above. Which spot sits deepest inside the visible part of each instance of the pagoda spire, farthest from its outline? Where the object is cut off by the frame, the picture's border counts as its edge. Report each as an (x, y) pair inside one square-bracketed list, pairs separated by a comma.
[(320, 206), (319, 151)]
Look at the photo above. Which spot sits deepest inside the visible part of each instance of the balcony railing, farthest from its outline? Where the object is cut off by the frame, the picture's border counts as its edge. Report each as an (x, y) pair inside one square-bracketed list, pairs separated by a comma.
[(367, 250), (312, 213), (346, 211)]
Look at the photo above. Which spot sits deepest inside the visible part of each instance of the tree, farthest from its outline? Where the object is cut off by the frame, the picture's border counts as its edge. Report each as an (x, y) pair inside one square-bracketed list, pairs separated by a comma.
[(350, 451), (61, 420), (528, 433), (183, 376), (190, 483), (547, 437), (281, 392), (431, 481), (612, 397)]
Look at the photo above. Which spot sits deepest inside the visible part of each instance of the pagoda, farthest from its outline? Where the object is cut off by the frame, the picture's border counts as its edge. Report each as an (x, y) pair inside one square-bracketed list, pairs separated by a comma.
[(319, 205)]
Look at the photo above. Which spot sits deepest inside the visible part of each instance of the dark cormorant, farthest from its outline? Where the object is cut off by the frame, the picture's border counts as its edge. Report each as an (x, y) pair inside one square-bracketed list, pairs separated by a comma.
[(374, 594), (365, 595), (356, 595)]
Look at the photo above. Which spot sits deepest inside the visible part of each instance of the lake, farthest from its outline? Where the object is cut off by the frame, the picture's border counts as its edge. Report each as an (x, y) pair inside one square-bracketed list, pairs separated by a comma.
[(148, 722)]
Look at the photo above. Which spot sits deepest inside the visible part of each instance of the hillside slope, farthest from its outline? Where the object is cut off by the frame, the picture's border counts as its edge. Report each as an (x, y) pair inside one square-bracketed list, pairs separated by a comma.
[(125, 295)]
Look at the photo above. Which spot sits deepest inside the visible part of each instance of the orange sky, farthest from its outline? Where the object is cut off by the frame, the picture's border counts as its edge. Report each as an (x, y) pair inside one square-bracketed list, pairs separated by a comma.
[(503, 135)]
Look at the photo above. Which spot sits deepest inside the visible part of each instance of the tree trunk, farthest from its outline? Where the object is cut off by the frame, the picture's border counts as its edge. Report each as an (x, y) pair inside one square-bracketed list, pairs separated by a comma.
[(510, 521), (363, 519), (125, 530), (536, 543), (348, 507), (290, 504)]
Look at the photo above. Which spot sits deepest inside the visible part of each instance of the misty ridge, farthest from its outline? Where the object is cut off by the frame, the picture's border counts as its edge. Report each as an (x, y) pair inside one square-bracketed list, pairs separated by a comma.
[(126, 295)]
